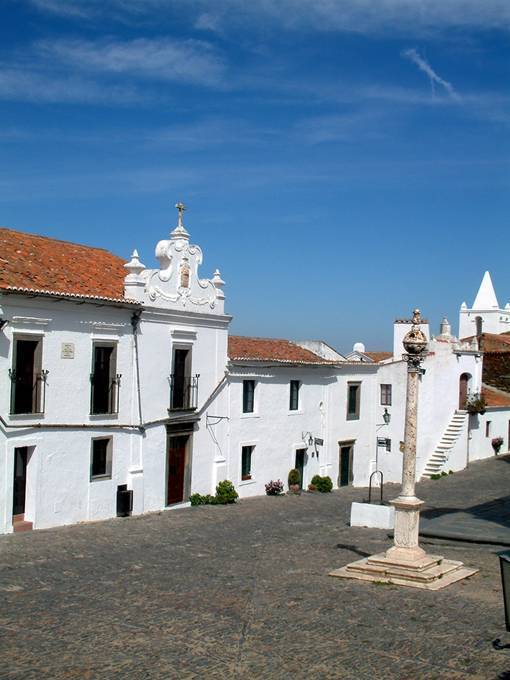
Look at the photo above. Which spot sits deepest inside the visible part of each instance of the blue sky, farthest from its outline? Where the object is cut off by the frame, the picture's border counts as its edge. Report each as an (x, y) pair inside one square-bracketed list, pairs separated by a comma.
[(342, 161)]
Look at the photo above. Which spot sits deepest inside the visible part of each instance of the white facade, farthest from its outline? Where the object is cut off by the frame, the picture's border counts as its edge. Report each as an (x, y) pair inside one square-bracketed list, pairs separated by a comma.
[(485, 315), (169, 315)]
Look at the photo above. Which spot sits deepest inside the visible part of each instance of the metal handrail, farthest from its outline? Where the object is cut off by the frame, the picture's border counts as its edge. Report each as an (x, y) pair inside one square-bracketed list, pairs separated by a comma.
[(37, 391), (375, 472), (183, 392)]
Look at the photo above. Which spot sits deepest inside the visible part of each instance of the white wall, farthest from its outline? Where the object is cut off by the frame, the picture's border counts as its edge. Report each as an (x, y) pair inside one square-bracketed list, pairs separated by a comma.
[(480, 445)]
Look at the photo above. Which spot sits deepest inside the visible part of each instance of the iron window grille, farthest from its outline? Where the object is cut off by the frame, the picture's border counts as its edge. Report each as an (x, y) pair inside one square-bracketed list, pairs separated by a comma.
[(28, 392), (104, 394), (183, 392)]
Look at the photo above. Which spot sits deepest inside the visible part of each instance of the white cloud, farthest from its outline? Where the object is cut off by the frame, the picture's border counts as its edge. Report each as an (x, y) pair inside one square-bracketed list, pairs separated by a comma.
[(359, 16), (158, 59), (433, 77)]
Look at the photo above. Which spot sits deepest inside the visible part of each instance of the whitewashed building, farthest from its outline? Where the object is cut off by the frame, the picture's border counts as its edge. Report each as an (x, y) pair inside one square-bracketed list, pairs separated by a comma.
[(120, 387)]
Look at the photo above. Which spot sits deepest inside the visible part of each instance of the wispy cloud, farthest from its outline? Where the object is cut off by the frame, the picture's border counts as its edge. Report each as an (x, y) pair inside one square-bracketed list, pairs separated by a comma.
[(359, 16), (191, 61), (433, 77)]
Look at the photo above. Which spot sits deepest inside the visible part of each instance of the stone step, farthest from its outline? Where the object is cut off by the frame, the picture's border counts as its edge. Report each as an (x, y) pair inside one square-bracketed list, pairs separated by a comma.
[(20, 524)]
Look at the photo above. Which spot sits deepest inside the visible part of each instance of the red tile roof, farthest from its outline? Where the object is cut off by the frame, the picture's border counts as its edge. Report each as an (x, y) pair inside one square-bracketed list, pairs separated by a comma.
[(29, 262), (379, 356), (493, 341), (268, 349), (494, 397)]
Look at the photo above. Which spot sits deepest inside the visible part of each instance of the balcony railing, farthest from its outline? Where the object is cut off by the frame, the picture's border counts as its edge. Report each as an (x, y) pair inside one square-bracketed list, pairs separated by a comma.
[(183, 392), (104, 394), (28, 392)]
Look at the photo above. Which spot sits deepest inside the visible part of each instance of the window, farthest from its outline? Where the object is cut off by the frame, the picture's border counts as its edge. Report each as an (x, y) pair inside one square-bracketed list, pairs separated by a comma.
[(248, 396), (294, 395), (28, 380), (385, 395), (488, 428), (183, 387), (105, 382), (353, 399), (246, 452), (101, 459)]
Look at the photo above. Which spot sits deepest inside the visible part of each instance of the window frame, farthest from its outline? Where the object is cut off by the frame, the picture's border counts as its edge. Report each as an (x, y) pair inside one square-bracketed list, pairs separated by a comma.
[(353, 415), (107, 474), (246, 396), (38, 396), (488, 427), (247, 471), (386, 394), (113, 393), (294, 390)]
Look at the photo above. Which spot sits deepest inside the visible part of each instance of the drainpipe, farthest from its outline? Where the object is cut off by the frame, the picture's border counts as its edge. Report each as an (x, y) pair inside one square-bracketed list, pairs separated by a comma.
[(135, 322)]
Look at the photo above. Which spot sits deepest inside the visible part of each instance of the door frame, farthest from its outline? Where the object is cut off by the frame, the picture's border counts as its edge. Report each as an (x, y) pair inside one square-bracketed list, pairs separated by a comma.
[(179, 430), (303, 448), (31, 483), (348, 443)]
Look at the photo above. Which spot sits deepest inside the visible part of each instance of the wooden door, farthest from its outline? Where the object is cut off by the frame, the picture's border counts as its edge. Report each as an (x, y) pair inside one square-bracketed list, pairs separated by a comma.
[(176, 468), (300, 464), (20, 480), (463, 390), (344, 476)]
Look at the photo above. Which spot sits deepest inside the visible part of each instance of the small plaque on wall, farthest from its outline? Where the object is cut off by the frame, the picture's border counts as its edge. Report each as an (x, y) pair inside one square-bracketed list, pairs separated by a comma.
[(67, 351)]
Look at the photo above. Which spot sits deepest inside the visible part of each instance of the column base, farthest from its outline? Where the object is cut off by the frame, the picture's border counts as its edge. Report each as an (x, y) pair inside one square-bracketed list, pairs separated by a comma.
[(407, 567)]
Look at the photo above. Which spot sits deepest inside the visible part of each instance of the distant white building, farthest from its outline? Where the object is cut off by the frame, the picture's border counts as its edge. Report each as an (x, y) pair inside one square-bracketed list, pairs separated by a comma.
[(120, 384), (485, 315)]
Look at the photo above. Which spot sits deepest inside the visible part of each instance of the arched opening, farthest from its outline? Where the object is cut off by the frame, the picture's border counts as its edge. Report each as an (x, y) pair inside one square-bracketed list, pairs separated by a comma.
[(464, 386), (479, 325)]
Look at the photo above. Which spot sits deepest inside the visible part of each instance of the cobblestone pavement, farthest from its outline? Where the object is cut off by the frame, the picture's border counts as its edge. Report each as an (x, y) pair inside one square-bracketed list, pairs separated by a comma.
[(243, 592)]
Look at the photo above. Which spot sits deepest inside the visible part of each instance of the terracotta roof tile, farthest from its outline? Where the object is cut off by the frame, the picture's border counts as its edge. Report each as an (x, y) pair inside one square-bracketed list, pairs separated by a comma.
[(269, 349), (36, 263), (493, 341), (495, 397), (379, 356)]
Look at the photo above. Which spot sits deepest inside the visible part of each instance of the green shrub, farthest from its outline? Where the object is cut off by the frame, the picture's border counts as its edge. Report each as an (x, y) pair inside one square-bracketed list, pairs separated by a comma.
[(322, 484), (326, 484), (294, 477), (226, 493), (196, 499)]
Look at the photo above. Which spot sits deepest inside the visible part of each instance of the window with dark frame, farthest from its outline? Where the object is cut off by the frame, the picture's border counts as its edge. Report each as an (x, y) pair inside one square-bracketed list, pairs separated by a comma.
[(246, 453), (105, 382), (488, 428), (248, 396), (353, 400), (385, 395), (294, 395), (28, 380), (101, 458)]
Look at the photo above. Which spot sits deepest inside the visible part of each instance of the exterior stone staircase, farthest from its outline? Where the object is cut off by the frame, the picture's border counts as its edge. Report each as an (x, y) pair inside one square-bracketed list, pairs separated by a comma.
[(435, 464)]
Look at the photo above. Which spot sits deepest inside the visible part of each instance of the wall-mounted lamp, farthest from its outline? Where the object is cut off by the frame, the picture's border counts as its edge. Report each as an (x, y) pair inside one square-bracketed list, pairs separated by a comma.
[(386, 417), (307, 438), (3, 323)]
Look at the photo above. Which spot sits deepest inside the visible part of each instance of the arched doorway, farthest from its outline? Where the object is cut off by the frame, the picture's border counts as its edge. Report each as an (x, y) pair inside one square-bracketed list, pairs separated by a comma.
[(464, 384)]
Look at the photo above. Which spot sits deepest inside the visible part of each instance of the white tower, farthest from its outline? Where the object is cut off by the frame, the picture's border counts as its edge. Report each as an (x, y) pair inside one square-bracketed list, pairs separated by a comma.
[(485, 315)]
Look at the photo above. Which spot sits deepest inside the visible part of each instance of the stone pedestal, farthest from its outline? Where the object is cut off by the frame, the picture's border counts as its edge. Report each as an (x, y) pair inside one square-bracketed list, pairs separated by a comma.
[(405, 563)]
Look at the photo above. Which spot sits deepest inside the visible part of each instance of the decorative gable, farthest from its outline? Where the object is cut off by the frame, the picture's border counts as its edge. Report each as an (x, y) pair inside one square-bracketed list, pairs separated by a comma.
[(176, 284)]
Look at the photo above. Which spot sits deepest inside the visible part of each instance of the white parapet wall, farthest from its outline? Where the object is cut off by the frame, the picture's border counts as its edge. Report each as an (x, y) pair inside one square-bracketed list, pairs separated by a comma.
[(373, 516)]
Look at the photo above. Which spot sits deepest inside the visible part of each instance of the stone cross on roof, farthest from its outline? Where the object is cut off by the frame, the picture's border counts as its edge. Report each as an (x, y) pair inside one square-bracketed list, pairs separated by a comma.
[(180, 209)]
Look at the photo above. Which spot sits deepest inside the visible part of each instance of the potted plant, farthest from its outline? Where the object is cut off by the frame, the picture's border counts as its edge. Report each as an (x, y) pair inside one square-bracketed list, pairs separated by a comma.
[(274, 488), (294, 481), (312, 488), (497, 443), (475, 403)]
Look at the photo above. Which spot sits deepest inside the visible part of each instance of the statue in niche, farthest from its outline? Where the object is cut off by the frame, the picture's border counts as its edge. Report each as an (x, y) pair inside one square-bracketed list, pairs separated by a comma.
[(184, 273)]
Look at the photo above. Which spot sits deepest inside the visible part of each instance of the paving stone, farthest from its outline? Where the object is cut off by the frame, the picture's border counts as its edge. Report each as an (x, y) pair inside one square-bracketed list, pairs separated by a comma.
[(244, 592)]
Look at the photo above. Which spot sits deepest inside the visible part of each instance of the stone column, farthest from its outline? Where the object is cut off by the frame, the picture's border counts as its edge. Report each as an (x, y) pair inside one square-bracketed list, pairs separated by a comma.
[(407, 506)]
